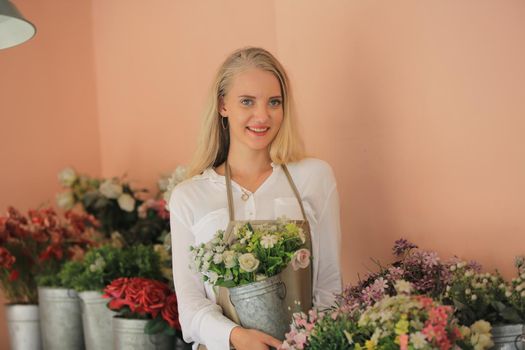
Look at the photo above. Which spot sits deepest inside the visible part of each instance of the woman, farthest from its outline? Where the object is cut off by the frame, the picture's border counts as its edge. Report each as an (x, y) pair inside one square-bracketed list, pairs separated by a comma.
[(250, 130)]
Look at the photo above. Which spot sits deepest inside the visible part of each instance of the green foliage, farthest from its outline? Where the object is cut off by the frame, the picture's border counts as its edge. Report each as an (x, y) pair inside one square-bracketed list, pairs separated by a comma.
[(102, 265), (335, 333)]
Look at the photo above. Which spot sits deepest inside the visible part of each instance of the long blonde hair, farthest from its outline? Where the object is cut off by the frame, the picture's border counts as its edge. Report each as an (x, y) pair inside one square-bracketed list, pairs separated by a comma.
[(214, 140)]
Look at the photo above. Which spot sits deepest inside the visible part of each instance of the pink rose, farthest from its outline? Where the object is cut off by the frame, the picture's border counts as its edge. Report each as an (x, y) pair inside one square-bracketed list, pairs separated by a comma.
[(301, 259)]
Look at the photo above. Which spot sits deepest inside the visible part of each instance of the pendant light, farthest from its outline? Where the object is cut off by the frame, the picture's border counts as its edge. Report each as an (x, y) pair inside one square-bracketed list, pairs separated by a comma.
[(14, 28)]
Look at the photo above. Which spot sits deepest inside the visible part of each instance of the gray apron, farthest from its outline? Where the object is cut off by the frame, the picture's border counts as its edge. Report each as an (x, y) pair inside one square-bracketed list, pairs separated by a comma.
[(298, 283)]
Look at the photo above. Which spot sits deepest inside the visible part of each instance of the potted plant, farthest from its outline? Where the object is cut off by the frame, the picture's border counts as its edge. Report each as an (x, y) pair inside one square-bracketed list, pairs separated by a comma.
[(147, 316), (477, 295), (91, 275), (249, 263), (32, 248)]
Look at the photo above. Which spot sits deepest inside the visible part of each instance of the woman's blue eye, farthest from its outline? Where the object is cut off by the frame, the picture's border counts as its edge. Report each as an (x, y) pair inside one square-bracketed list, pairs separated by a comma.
[(246, 101), (275, 103)]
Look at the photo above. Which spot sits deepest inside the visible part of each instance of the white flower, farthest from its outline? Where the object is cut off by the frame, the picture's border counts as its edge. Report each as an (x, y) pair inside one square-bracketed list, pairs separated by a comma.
[(248, 262), (207, 256), (176, 177), (467, 291), (219, 248), (418, 339), (268, 241), (230, 259), (301, 259), (205, 266), (508, 293), (65, 200), (474, 297), (67, 177), (260, 277), (453, 268), (403, 286), (110, 189), (217, 258), (212, 277), (126, 202), (301, 235)]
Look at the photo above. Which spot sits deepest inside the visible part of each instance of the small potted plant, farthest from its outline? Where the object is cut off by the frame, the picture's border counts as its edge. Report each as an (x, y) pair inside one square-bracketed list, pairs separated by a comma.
[(251, 260), (147, 316)]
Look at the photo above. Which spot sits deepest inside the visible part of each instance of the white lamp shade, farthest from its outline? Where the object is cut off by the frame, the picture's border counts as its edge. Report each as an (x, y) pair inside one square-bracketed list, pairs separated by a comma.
[(14, 28)]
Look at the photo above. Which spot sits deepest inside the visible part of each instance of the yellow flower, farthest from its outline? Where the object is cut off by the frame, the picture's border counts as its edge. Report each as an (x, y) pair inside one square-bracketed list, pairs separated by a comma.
[(402, 325), (370, 345)]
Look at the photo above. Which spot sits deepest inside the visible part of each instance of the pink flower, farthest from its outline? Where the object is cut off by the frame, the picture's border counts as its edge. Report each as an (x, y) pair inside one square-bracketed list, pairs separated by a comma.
[(301, 259), (403, 342)]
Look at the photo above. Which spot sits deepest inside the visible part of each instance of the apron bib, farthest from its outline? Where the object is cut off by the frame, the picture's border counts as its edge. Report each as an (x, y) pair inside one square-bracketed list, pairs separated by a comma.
[(298, 284)]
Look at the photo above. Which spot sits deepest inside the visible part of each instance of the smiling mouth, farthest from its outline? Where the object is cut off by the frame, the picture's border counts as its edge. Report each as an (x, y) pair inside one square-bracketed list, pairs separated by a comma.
[(258, 131)]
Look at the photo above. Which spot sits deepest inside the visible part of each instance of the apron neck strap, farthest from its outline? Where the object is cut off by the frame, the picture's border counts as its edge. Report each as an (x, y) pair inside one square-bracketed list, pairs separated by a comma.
[(230, 196)]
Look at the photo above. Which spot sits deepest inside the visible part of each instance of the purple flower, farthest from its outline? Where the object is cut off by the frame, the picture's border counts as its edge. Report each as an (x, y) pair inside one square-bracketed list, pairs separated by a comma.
[(401, 246)]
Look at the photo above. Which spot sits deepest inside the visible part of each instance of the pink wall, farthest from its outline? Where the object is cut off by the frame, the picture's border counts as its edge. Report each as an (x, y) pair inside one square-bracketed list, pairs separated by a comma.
[(417, 106), (48, 109)]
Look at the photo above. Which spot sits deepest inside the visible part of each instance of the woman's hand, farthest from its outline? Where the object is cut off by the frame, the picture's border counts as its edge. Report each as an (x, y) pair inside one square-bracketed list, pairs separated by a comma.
[(252, 339)]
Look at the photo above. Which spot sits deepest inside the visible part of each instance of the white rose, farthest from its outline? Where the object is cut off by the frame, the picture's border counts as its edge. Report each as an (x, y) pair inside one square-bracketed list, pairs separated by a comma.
[(260, 277), (110, 189), (212, 277), (229, 259), (301, 259), (126, 202), (248, 262), (67, 177), (65, 200), (217, 258), (268, 241)]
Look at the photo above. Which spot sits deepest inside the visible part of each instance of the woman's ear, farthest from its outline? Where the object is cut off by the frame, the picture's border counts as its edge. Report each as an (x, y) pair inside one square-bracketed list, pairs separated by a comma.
[(222, 109)]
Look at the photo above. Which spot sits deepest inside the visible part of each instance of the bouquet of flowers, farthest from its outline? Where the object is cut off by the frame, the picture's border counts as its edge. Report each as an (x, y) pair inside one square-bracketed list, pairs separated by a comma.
[(424, 269), (403, 321), (251, 254), (477, 295), (36, 246), (142, 298), (126, 215)]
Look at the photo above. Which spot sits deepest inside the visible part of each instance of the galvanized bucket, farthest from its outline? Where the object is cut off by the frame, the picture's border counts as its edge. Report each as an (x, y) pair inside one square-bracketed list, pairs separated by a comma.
[(96, 321), (60, 319), (24, 328), (508, 337), (129, 334), (260, 305)]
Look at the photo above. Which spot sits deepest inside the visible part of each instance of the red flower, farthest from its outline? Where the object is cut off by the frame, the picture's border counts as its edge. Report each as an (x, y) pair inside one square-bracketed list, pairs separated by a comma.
[(52, 251), (152, 297), (170, 313), (117, 288), (6, 258), (13, 276)]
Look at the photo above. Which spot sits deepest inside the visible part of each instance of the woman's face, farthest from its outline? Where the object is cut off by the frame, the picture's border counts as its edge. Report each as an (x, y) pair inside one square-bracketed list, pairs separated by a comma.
[(254, 109)]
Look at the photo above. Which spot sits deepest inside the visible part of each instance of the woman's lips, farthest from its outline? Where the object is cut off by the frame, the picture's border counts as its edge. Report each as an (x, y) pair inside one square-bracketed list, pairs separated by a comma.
[(257, 131)]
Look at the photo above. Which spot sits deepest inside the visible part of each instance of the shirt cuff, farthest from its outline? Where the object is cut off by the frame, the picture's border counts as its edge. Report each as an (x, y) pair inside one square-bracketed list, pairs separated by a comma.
[(215, 332)]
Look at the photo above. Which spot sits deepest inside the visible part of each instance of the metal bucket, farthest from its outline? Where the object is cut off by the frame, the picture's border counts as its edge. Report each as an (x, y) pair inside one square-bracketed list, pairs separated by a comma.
[(60, 319), (508, 337), (260, 305), (24, 328), (129, 334), (96, 321)]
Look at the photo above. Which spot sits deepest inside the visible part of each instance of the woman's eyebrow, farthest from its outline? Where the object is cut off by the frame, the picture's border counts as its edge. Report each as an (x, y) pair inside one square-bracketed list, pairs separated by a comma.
[(248, 96)]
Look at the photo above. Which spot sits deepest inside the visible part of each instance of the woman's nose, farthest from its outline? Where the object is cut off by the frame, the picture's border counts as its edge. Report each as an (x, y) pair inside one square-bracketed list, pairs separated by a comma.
[(262, 112)]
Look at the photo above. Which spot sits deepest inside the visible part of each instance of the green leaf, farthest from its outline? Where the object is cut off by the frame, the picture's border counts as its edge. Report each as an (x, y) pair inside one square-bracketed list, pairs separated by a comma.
[(155, 326)]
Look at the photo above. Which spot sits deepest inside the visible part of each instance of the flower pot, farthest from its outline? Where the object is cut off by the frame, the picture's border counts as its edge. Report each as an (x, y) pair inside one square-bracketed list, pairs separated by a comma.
[(508, 337), (96, 321), (129, 334), (260, 305), (61, 322), (23, 326)]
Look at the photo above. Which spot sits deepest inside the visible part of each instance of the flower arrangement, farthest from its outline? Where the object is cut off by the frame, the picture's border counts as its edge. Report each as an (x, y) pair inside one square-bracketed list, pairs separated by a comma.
[(403, 321), (423, 269), (34, 247), (126, 216), (142, 298), (477, 295), (253, 253), (102, 265), (166, 184)]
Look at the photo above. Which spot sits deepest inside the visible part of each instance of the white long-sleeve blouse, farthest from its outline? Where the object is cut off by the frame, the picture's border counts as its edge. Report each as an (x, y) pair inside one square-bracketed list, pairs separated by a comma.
[(199, 207)]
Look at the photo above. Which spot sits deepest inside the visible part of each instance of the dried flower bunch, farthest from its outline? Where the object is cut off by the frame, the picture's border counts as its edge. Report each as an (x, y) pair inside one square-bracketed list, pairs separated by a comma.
[(252, 254)]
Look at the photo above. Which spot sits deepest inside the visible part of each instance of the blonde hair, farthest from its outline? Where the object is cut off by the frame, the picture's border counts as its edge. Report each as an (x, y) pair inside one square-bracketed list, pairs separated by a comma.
[(214, 140)]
